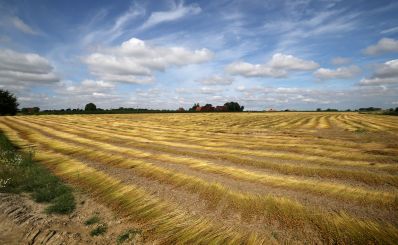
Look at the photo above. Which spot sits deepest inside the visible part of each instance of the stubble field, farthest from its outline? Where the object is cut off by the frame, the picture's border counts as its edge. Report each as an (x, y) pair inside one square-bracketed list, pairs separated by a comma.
[(230, 178)]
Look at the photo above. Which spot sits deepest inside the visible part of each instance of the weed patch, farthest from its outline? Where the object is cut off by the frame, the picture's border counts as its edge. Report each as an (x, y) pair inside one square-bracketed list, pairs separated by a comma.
[(93, 220), (99, 230), (127, 235), (19, 173)]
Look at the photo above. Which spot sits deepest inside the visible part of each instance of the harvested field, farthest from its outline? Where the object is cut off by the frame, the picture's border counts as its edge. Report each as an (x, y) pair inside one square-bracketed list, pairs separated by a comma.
[(231, 178)]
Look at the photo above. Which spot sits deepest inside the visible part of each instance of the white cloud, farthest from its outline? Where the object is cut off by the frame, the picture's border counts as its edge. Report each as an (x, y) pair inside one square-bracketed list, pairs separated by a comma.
[(210, 90), (289, 62), (217, 80), (279, 66), (390, 30), (177, 12), (340, 60), (339, 73), (86, 87), (385, 74), (25, 68), (254, 70), (385, 45), (135, 61), (107, 34), (22, 26)]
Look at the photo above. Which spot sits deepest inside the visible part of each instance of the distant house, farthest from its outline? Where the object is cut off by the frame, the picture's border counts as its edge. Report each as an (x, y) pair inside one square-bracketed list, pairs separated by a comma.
[(220, 108), (207, 107), (181, 109), (198, 108)]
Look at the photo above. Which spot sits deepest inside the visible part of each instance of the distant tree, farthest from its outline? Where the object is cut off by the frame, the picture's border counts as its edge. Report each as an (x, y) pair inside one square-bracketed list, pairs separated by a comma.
[(370, 109), (348, 110), (30, 110), (8, 103), (318, 109), (329, 109), (35, 109), (90, 107), (233, 106), (396, 109), (193, 108)]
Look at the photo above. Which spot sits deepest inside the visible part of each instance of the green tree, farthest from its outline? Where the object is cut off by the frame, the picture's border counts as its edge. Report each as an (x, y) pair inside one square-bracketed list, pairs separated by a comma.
[(90, 107), (8, 103), (233, 106)]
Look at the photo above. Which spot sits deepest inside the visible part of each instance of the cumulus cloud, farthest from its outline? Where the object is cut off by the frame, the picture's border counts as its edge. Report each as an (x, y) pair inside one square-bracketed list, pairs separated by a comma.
[(289, 62), (279, 66), (135, 61), (22, 26), (385, 45), (86, 87), (216, 80), (386, 73), (210, 90), (340, 60), (25, 68), (177, 12), (339, 73)]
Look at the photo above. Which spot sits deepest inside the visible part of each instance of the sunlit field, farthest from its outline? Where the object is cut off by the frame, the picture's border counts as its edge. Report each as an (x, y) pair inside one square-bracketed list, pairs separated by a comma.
[(230, 178)]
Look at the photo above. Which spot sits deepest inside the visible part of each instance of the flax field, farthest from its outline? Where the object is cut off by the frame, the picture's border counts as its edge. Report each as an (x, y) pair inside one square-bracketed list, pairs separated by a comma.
[(230, 178)]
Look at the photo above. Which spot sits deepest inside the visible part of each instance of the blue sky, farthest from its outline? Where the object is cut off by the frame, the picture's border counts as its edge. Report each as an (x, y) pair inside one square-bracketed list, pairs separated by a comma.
[(167, 54)]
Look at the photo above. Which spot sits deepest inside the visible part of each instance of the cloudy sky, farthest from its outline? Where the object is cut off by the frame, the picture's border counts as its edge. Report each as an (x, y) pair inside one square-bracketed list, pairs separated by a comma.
[(165, 54)]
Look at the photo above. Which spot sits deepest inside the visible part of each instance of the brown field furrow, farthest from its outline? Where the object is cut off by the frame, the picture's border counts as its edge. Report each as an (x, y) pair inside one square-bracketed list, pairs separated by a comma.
[(362, 213), (279, 166), (306, 177), (385, 124), (270, 146), (271, 143), (168, 145), (316, 187)]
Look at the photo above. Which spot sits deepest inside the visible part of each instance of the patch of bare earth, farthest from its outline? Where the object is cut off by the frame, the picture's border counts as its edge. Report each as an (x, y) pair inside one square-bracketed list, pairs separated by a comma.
[(22, 221)]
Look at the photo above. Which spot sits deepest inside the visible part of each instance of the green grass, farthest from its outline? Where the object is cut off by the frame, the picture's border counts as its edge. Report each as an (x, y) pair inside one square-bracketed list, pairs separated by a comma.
[(99, 230), (127, 235), (93, 220), (19, 173)]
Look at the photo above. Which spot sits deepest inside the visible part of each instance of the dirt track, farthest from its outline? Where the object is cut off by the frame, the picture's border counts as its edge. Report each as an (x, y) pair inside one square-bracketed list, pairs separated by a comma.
[(23, 221)]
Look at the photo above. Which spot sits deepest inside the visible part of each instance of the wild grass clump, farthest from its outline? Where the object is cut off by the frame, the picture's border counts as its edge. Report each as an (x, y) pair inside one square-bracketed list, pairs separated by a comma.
[(127, 235), (19, 173), (92, 220), (99, 230)]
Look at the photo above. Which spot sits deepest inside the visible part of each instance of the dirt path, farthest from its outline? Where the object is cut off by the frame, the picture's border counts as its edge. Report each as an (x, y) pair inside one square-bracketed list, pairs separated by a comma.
[(22, 221)]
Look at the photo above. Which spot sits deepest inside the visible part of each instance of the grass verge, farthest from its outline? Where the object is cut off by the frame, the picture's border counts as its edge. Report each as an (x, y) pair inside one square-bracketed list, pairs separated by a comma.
[(19, 173)]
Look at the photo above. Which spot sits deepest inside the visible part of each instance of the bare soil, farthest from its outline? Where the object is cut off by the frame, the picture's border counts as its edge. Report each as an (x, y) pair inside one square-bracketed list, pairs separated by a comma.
[(23, 221)]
